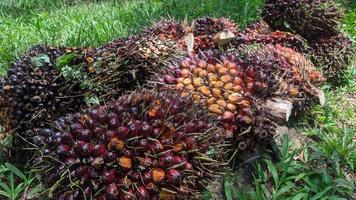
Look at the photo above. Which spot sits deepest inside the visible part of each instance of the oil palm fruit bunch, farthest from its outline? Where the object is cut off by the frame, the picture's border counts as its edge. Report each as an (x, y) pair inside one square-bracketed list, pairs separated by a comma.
[(127, 63), (333, 55), (36, 92), (144, 145), (239, 86), (260, 33), (284, 73), (309, 18), (219, 82), (204, 30)]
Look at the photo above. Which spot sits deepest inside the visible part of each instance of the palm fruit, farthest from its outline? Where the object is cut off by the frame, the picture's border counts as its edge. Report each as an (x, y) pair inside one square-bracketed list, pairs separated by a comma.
[(141, 146), (260, 33), (36, 92), (125, 64), (309, 18), (332, 55), (204, 30)]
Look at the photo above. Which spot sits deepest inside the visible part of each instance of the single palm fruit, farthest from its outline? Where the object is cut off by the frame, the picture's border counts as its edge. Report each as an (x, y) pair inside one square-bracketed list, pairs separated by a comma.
[(136, 146)]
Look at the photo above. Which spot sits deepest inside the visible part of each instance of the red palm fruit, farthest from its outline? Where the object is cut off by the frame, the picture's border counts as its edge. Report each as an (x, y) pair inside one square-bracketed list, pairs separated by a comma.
[(63, 150), (122, 132), (188, 166), (142, 193), (99, 149), (190, 142), (109, 176), (109, 156), (165, 161), (174, 176), (112, 192), (124, 183)]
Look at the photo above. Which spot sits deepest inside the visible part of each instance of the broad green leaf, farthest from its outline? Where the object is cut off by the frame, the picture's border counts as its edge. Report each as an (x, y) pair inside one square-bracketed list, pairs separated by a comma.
[(283, 190), (228, 190), (19, 189), (300, 196), (273, 171), (64, 60), (5, 194), (12, 183), (285, 143), (5, 187), (16, 171), (300, 176), (40, 60), (322, 193)]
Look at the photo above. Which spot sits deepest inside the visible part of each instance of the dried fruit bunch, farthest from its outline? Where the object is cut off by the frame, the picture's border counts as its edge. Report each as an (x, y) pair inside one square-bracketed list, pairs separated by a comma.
[(127, 63), (141, 146), (225, 87), (309, 18), (36, 92), (332, 55), (204, 30)]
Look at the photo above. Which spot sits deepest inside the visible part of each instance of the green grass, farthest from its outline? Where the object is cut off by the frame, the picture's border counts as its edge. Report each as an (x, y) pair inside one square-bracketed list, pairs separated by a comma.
[(92, 23), (329, 160)]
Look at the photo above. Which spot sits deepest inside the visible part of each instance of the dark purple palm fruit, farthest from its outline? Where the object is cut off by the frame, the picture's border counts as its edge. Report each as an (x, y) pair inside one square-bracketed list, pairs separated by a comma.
[(309, 18), (140, 154), (333, 55)]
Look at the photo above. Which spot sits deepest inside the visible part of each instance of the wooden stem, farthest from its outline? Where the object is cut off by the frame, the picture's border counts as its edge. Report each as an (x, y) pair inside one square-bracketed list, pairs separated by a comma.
[(279, 109)]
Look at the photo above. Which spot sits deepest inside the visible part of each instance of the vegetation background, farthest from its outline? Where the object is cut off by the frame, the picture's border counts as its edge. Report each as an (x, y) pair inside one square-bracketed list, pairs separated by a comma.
[(322, 168)]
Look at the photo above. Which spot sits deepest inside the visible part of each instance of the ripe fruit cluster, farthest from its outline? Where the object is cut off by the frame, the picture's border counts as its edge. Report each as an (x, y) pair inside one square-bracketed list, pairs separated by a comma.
[(234, 85), (141, 146)]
